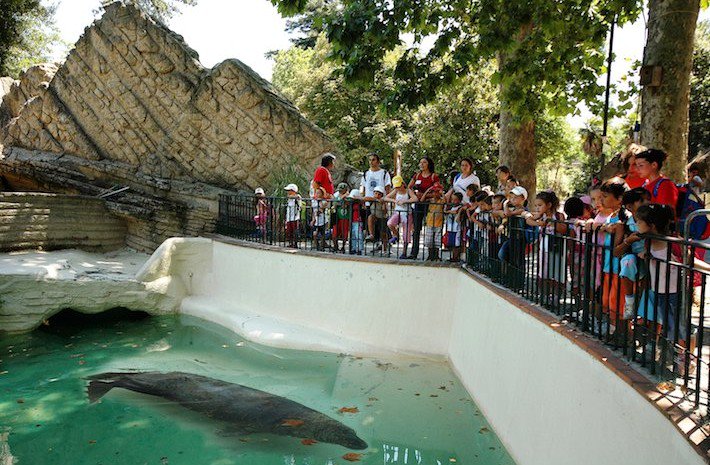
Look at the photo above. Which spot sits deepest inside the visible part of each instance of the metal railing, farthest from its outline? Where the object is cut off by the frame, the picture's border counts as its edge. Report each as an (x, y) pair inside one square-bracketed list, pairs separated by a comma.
[(416, 231), (582, 277), (577, 274)]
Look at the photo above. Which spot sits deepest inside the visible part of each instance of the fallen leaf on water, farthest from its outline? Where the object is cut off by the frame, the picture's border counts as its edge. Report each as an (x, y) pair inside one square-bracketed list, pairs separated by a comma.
[(483, 430), (352, 457), (308, 442), (244, 439), (372, 399), (20, 401), (349, 410), (92, 441), (452, 460), (291, 422)]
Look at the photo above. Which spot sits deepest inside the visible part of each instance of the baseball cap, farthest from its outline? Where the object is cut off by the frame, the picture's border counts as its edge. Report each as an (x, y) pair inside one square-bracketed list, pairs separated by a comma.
[(354, 194), (343, 186), (397, 181), (520, 190), (380, 189), (258, 191), (291, 187)]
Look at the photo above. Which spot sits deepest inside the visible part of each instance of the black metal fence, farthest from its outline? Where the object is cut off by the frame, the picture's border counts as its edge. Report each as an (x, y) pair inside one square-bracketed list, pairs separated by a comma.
[(648, 300), (414, 231)]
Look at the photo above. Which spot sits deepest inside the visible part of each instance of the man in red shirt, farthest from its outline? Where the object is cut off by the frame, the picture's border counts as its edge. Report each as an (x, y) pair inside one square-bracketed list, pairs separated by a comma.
[(322, 177)]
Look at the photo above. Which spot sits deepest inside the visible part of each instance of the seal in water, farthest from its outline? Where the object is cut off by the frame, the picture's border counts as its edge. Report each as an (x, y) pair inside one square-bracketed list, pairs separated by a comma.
[(246, 410)]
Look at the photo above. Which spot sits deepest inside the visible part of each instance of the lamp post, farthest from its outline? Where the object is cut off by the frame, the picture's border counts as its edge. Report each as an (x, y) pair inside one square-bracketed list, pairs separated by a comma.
[(608, 88)]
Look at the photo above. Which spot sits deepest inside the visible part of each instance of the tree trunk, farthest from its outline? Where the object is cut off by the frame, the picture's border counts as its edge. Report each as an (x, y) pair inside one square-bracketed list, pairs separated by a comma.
[(664, 116), (517, 148)]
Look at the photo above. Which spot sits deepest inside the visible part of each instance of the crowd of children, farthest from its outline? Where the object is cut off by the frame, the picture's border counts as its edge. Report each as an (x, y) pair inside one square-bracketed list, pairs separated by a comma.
[(592, 247)]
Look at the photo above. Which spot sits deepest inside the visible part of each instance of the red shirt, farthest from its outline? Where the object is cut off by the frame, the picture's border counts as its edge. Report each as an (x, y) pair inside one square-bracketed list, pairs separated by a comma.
[(663, 191), (421, 183), (634, 181), (324, 179)]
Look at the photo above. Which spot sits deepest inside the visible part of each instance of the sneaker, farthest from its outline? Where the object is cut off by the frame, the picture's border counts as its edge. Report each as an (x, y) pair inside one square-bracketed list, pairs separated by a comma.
[(393, 240), (370, 238)]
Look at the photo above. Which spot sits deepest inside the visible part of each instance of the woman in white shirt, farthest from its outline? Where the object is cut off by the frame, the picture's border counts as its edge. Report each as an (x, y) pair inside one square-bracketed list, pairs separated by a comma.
[(465, 178)]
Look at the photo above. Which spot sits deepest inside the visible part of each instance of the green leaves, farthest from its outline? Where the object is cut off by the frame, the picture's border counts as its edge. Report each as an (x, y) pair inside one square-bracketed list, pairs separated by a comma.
[(553, 49)]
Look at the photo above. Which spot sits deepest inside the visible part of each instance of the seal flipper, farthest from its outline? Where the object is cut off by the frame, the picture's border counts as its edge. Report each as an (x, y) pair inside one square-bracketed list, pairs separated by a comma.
[(97, 389)]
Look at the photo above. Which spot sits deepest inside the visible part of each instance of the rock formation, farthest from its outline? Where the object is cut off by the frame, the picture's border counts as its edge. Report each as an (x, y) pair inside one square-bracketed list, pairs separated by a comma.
[(132, 106)]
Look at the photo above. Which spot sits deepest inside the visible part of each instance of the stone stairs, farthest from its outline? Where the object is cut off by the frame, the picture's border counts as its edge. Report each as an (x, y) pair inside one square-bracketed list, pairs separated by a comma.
[(30, 220)]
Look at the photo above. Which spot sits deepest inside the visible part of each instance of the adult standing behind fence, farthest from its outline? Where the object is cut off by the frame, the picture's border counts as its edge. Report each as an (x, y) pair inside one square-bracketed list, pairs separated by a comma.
[(374, 177), (464, 179), (420, 183), (322, 178)]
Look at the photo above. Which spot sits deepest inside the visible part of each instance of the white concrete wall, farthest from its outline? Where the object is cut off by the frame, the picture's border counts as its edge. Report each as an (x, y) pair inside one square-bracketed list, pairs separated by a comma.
[(363, 306), (549, 401)]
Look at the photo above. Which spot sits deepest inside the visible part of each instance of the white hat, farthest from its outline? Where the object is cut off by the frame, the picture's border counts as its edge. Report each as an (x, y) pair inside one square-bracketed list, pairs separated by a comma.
[(258, 191), (354, 194), (520, 190), (291, 187), (380, 189)]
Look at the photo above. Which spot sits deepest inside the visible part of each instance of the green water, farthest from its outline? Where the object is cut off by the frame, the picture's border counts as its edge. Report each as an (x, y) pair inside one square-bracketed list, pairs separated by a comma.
[(410, 411)]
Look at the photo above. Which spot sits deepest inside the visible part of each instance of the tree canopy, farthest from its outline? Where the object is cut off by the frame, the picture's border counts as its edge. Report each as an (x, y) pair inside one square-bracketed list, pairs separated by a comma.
[(26, 34), (362, 32), (462, 121)]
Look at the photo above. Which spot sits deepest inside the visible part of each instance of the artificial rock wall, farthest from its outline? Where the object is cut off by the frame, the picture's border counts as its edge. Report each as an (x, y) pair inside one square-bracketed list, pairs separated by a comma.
[(132, 106)]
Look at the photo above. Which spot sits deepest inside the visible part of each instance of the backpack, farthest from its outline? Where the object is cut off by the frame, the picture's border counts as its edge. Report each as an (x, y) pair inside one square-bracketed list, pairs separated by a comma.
[(688, 202)]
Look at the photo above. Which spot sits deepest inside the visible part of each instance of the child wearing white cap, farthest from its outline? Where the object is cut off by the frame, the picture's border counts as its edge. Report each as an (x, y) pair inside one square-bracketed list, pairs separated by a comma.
[(357, 238), (262, 212), (293, 214)]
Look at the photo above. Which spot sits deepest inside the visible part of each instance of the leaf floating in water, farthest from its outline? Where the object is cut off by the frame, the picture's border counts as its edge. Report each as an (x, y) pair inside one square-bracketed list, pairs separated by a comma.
[(452, 460), (352, 457), (349, 410), (308, 442), (291, 422), (20, 401), (92, 441), (483, 430)]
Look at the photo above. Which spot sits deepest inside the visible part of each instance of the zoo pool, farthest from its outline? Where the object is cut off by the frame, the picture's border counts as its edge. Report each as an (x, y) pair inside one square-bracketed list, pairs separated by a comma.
[(408, 410)]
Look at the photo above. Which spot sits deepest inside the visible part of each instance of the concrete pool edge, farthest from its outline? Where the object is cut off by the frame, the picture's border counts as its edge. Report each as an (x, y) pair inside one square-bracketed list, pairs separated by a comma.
[(626, 378), (695, 433)]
